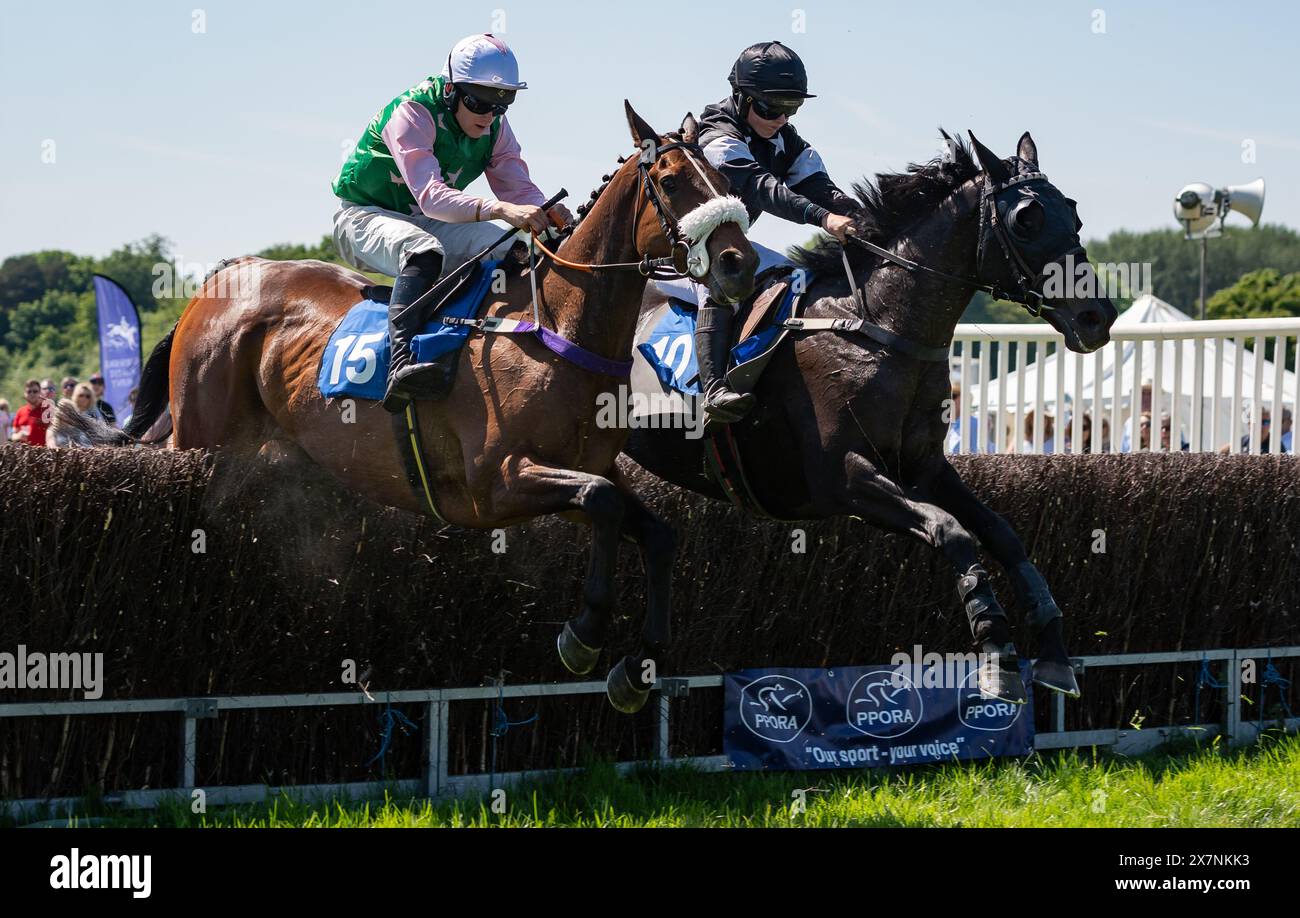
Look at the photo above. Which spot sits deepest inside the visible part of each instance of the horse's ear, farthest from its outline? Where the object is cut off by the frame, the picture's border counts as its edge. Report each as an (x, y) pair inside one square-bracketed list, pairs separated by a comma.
[(992, 166), (690, 129), (1027, 150), (640, 130)]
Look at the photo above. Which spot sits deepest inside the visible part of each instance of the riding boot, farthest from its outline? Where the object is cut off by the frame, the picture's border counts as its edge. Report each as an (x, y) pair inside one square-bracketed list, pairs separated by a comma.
[(406, 378), (722, 405)]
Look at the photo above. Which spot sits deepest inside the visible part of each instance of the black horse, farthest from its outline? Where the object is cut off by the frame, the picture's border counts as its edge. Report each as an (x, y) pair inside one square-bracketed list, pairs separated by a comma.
[(853, 422)]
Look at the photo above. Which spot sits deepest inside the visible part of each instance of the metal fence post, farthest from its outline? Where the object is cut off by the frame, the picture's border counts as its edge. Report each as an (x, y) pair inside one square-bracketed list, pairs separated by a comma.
[(665, 705), (669, 688), (189, 749), (436, 746), (194, 710), (1058, 699), (1232, 703)]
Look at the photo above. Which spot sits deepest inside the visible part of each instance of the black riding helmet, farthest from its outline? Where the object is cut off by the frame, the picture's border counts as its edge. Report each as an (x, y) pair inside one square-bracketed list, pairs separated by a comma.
[(771, 73)]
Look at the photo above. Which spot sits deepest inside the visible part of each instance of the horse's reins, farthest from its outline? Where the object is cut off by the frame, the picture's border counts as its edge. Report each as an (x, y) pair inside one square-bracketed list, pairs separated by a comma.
[(664, 268), (1030, 297), (679, 240)]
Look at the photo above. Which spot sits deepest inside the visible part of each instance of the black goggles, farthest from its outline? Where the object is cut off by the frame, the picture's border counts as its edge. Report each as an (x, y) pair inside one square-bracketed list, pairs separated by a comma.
[(771, 109), (480, 106)]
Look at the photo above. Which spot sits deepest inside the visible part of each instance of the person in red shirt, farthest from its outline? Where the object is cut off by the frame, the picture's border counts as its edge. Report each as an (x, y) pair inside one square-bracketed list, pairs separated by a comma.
[(32, 419)]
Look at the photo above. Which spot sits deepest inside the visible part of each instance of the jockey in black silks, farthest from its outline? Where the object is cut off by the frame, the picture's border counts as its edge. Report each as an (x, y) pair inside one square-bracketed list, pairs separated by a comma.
[(749, 139)]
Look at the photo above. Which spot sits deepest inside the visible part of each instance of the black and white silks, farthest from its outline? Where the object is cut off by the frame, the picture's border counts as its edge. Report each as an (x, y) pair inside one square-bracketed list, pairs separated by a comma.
[(783, 176)]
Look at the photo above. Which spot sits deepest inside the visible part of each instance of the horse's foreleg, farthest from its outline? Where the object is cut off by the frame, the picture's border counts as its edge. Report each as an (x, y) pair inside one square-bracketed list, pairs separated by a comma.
[(632, 679), (1052, 668), (529, 488), (897, 508)]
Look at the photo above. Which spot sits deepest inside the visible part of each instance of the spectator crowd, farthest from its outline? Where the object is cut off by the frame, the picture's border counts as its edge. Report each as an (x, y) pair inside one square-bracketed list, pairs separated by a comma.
[(1025, 442), (37, 423)]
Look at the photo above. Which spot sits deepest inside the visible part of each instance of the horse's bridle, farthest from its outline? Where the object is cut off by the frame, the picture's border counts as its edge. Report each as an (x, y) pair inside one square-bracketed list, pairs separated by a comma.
[(991, 224), (1026, 278), (682, 259), (668, 221)]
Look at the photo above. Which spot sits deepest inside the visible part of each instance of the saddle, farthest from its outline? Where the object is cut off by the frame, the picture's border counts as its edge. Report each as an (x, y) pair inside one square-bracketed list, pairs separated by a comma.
[(771, 287), (665, 347), (354, 362)]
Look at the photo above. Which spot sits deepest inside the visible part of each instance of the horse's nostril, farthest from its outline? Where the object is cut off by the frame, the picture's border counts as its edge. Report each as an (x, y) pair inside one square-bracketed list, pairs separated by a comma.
[(731, 261)]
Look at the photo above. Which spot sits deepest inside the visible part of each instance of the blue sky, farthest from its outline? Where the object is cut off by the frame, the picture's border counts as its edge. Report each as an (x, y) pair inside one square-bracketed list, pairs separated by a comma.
[(226, 140)]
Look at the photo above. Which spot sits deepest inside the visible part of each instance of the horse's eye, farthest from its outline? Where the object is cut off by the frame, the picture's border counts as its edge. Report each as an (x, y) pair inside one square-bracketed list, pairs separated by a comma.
[(669, 184), (1027, 219)]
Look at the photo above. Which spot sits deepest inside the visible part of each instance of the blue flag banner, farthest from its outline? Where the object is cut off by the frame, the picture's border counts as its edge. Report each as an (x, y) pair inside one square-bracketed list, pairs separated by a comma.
[(119, 343), (868, 716)]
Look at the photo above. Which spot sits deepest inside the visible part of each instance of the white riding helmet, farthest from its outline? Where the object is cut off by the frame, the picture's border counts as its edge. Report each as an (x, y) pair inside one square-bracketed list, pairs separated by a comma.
[(483, 60)]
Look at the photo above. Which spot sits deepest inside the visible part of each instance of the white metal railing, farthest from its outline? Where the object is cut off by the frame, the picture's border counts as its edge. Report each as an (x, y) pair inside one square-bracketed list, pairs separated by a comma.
[(1024, 391), (437, 782)]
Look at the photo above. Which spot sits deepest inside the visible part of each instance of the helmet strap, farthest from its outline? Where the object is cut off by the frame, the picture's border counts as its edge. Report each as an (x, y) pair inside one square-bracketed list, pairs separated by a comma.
[(449, 93), (742, 103)]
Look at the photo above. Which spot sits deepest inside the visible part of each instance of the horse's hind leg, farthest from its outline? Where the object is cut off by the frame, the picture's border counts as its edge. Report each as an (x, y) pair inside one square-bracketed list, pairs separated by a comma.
[(1052, 668), (215, 399), (884, 503)]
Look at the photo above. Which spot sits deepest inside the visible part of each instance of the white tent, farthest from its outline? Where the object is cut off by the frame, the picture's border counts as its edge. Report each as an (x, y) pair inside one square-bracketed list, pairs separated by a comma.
[(1128, 356)]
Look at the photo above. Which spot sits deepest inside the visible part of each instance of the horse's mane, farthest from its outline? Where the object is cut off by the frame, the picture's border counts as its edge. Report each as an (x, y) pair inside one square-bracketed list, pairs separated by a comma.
[(892, 203), (585, 208)]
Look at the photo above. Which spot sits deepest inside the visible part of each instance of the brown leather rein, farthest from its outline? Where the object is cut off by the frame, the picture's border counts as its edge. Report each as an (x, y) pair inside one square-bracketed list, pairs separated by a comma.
[(665, 268)]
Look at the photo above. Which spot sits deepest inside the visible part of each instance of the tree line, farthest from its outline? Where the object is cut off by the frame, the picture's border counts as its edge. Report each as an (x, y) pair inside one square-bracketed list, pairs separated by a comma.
[(1249, 273), (48, 324), (47, 306)]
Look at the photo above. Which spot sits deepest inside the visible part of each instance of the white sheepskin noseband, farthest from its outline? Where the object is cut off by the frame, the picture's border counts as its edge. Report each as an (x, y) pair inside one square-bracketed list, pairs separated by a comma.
[(700, 223)]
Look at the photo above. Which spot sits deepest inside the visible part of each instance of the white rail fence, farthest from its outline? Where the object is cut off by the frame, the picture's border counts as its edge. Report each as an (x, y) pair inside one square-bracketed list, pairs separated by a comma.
[(436, 782), (1203, 382)]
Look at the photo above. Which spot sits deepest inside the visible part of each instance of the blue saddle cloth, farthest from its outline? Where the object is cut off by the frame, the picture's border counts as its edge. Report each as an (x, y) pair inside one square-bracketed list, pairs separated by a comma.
[(355, 362), (670, 346)]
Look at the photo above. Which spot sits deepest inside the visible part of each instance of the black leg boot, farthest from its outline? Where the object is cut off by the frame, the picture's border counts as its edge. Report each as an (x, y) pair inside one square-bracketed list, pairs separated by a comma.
[(712, 345), (407, 379)]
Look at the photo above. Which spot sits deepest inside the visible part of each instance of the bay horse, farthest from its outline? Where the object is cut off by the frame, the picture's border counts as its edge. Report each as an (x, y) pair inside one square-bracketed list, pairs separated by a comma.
[(854, 424), (517, 437)]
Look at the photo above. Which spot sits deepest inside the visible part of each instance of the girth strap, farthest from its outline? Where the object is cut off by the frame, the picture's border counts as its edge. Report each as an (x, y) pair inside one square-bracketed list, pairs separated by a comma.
[(410, 446), (575, 353), (875, 333), (722, 458)]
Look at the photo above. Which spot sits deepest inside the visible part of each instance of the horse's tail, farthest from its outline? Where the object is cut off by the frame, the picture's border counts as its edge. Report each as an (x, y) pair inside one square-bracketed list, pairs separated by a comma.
[(155, 393), (93, 431), (150, 403)]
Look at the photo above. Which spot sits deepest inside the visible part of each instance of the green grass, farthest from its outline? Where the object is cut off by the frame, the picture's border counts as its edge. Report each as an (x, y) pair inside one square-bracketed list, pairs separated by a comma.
[(1259, 786)]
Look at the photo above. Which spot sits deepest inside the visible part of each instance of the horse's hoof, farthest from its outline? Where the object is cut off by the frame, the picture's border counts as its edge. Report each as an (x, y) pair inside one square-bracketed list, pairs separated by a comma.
[(623, 693), (999, 677), (576, 656), (1057, 676)]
